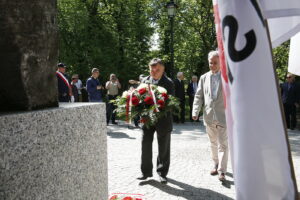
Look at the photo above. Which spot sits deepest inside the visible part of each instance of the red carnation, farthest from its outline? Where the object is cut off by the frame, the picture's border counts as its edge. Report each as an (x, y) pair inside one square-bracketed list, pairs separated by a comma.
[(142, 91), (127, 198), (149, 100), (161, 103), (135, 101), (165, 96), (114, 197), (143, 120)]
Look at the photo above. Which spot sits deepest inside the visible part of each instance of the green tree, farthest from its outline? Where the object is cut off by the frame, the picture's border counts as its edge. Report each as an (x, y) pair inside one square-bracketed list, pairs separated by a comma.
[(281, 56), (112, 35), (194, 34)]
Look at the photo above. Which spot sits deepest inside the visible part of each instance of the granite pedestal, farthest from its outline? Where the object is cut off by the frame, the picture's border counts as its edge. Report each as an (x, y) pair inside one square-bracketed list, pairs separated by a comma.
[(54, 154)]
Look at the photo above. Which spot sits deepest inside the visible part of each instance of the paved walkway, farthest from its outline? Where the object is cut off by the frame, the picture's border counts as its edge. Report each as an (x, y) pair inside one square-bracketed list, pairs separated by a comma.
[(190, 165)]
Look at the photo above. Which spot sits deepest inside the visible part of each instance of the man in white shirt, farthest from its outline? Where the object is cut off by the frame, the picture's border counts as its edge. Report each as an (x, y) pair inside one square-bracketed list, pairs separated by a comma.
[(113, 86), (78, 84)]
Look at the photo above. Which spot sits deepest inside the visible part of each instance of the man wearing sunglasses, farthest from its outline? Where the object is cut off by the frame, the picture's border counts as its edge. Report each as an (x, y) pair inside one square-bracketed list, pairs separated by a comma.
[(290, 98)]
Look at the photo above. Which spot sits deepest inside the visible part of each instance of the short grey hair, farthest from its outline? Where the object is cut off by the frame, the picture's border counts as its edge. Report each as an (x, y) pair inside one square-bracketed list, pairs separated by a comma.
[(194, 76), (95, 70), (212, 54), (156, 61), (179, 74)]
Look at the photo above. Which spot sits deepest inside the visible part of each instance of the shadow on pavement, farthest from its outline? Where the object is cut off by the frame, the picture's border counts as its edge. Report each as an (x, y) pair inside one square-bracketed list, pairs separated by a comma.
[(294, 140), (194, 128), (119, 135), (187, 191)]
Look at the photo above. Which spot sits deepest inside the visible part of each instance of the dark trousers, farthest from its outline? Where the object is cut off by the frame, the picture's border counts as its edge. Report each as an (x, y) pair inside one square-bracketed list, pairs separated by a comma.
[(191, 101), (110, 108), (136, 120), (63, 98), (290, 115), (163, 158)]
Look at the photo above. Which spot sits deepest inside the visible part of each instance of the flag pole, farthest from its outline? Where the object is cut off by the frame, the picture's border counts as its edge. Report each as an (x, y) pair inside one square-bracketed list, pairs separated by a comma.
[(282, 115)]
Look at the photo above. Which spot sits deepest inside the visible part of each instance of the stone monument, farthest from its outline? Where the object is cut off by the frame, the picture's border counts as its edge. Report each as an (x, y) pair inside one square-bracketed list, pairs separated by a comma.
[(28, 54), (46, 151)]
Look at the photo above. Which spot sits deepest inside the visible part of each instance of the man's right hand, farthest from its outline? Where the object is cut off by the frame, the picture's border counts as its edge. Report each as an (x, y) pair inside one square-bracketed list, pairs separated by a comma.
[(195, 118), (99, 87)]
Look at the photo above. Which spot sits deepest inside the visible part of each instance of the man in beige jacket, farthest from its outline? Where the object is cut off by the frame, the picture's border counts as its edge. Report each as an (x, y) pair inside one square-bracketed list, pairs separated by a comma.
[(209, 94)]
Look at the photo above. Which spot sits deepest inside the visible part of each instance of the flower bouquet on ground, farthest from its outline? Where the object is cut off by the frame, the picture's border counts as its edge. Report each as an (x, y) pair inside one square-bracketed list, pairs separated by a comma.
[(123, 196), (149, 102)]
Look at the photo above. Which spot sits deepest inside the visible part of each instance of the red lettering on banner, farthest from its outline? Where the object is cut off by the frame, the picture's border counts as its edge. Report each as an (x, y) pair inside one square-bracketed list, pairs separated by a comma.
[(220, 44)]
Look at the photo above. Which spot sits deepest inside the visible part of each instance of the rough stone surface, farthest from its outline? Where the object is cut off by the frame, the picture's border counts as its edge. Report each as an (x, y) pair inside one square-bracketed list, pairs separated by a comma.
[(190, 165), (28, 54), (54, 154)]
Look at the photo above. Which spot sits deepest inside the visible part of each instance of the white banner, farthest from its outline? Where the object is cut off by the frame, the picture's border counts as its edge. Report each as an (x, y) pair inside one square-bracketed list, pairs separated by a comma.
[(294, 58), (258, 144), (283, 19)]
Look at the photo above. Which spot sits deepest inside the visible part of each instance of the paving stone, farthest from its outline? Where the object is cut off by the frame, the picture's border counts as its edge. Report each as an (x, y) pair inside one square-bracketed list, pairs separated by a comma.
[(189, 176)]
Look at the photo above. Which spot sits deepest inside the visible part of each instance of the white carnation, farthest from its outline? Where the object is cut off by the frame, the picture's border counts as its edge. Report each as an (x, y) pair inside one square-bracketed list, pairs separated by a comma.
[(161, 90), (142, 85), (125, 94)]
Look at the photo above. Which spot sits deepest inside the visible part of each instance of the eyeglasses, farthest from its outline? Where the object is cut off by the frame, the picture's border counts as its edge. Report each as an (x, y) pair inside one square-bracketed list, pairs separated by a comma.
[(288, 77)]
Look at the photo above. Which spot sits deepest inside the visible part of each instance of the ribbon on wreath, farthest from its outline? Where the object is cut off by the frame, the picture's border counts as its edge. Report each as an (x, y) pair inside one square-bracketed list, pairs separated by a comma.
[(153, 97), (128, 108)]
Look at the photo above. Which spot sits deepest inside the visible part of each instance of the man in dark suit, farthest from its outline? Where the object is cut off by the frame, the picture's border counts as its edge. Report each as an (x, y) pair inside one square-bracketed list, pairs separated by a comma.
[(64, 88), (180, 94), (290, 99), (191, 90), (163, 128)]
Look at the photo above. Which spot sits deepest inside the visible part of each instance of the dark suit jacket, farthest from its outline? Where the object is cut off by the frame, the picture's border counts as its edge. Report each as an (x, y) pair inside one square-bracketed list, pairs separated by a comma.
[(63, 88), (164, 124), (179, 89), (190, 90), (290, 95)]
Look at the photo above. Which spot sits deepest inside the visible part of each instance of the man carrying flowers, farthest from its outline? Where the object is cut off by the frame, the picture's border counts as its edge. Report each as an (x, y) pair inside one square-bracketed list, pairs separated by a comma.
[(163, 126)]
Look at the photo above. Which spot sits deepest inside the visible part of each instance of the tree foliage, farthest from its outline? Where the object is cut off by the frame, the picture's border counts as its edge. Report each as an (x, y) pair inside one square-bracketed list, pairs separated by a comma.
[(116, 36), (111, 35), (281, 56), (194, 34)]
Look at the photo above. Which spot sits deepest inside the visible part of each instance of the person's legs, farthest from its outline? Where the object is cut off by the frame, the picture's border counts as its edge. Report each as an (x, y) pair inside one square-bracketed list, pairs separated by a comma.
[(293, 111), (182, 113), (109, 109), (212, 133), (147, 139), (163, 158), (223, 149), (136, 121), (287, 115), (191, 101), (113, 113), (63, 98)]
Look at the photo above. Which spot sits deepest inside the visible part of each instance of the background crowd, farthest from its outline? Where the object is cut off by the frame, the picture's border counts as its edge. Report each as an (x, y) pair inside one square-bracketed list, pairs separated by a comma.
[(72, 89), (95, 90)]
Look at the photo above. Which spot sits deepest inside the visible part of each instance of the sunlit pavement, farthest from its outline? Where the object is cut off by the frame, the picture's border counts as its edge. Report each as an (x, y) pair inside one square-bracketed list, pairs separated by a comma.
[(189, 176)]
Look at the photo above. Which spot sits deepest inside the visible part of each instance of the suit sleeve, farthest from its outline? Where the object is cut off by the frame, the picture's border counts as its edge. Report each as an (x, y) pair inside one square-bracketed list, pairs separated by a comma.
[(172, 88), (90, 87), (189, 90), (176, 88), (199, 98)]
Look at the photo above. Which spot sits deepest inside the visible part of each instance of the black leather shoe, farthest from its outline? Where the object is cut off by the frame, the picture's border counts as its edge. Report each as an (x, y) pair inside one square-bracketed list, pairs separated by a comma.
[(163, 180), (144, 177)]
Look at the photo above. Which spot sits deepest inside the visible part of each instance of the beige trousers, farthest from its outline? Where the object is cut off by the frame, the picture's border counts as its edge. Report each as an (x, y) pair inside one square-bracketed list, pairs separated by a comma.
[(219, 145)]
